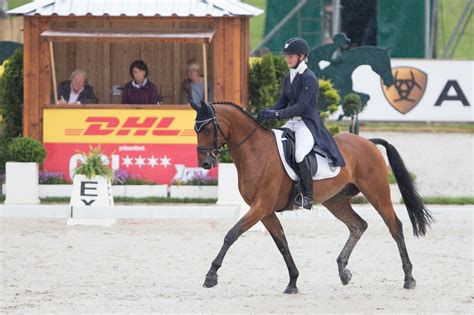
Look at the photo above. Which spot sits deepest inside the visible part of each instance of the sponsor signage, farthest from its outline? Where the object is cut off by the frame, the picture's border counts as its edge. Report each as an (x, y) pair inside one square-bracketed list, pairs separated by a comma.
[(424, 90), (158, 145)]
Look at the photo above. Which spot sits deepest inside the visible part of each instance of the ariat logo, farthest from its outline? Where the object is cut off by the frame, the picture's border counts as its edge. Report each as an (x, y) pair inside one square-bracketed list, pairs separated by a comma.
[(408, 89)]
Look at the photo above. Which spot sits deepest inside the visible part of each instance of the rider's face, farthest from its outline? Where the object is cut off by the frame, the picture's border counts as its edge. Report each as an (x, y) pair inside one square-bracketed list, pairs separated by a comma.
[(138, 75), (292, 60)]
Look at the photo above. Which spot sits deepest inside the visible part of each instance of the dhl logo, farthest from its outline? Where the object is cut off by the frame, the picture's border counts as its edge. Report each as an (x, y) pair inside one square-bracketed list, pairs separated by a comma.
[(132, 126), (128, 126)]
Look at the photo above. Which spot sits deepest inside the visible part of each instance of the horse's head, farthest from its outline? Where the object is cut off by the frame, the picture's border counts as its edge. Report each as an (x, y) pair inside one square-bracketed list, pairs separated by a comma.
[(209, 135), (383, 66)]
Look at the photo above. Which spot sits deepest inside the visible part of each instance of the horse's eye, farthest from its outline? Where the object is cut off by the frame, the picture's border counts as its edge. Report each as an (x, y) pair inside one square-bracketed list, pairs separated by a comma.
[(208, 131)]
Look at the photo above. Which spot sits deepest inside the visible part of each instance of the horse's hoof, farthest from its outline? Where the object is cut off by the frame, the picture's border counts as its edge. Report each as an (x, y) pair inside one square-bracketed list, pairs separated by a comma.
[(346, 276), (291, 290), (409, 284), (210, 281)]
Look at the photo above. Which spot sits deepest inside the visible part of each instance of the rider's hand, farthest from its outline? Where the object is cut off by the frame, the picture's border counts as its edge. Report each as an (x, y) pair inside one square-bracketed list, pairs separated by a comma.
[(268, 114)]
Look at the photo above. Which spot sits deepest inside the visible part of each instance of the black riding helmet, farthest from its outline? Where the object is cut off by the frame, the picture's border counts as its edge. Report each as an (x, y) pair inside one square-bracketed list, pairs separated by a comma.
[(296, 45)]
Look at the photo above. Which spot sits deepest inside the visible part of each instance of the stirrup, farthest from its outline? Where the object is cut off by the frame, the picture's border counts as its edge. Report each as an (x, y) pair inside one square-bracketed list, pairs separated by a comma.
[(303, 201)]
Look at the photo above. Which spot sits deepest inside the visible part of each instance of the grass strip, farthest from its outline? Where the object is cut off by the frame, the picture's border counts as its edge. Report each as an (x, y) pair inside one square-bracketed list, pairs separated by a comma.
[(448, 200), (142, 200), (410, 127), (428, 200)]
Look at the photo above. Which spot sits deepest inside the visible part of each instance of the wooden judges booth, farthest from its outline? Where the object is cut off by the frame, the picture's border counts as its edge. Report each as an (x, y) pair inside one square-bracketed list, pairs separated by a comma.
[(103, 38)]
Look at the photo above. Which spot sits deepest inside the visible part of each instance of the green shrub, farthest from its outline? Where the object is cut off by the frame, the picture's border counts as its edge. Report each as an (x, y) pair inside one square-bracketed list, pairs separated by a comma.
[(265, 79), (3, 154), (352, 104), (11, 96), (24, 149), (225, 156), (94, 165), (334, 129), (329, 99)]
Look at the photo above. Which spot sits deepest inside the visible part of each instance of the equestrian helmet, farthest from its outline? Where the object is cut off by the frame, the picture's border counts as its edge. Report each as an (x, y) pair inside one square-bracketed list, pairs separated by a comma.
[(296, 45)]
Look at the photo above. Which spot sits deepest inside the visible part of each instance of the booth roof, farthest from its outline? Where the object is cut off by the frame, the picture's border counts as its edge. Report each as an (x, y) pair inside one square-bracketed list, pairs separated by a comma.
[(165, 8)]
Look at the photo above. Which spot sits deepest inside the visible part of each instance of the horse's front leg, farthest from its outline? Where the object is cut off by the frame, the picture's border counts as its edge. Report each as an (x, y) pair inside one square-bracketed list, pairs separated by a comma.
[(254, 215), (275, 229)]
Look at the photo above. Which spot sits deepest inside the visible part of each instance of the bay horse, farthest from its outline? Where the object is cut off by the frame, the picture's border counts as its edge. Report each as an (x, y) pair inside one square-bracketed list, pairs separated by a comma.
[(265, 185)]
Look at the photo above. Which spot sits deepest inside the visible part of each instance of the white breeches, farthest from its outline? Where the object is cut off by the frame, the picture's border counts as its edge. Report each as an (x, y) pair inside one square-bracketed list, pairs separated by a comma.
[(304, 141)]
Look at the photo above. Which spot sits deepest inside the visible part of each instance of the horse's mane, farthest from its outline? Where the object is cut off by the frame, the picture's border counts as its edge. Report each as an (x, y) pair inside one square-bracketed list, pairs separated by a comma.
[(243, 111)]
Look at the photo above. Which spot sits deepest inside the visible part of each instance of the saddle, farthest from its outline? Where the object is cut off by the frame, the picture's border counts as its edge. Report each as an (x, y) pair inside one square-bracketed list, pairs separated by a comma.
[(286, 140)]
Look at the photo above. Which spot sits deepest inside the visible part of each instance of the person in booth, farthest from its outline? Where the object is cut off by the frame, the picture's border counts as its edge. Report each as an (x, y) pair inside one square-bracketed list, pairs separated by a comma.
[(298, 104), (76, 90), (140, 90), (193, 85)]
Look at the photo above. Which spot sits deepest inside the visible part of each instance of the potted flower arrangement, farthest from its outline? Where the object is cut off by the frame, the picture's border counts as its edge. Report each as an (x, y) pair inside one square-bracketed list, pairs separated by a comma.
[(126, 185), (23, 156), (53, 184), (92, 181), (199, 186)]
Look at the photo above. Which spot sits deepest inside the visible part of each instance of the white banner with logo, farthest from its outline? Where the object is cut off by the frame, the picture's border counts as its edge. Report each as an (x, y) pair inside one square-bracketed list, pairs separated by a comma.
[(424, 90)]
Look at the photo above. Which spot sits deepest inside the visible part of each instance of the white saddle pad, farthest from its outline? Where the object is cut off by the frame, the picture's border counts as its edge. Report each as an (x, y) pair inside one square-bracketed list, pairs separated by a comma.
[(324, 169)]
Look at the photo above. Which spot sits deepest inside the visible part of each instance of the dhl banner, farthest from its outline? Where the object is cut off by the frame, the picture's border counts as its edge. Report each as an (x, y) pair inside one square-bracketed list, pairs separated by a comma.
[(158, 145)]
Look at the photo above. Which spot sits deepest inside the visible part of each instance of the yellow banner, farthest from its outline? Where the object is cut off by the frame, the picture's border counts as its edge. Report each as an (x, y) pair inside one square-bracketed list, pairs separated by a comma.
[(153, 126)]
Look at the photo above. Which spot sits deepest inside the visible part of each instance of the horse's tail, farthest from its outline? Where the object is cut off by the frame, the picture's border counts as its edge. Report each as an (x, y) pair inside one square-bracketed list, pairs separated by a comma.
[(420, 216)]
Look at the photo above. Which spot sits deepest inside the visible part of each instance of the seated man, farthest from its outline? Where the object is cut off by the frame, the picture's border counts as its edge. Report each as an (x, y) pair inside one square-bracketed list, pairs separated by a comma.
[(193, 85), (76, 90), (140, 90)]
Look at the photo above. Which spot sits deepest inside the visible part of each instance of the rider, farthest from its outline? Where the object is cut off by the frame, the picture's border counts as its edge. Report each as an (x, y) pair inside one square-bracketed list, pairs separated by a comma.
[(298, 103)]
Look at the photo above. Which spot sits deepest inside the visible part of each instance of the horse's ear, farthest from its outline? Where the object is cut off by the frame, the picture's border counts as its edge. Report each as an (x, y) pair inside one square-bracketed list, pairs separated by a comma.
[(207, 108), (194, 105)]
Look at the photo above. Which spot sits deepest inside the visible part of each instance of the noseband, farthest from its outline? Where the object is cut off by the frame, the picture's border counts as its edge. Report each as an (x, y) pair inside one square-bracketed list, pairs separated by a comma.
[(215, 149)]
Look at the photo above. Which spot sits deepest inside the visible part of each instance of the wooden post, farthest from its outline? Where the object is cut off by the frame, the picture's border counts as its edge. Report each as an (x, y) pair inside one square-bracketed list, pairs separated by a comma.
[(53, 72), (204, 63)]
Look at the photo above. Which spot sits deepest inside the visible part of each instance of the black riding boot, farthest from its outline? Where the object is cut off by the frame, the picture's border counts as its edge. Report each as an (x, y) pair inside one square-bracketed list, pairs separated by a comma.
[(306, 181)]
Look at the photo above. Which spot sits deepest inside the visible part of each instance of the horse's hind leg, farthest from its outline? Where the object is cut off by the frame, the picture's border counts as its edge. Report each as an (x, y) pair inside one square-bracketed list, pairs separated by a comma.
[(275, 229), (380, 199), (340, 206)]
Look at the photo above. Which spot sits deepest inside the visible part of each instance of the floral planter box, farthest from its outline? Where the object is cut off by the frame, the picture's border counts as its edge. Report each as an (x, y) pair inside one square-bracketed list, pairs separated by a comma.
[(55, 190), (133, 191), (187, 191), (139, 191)]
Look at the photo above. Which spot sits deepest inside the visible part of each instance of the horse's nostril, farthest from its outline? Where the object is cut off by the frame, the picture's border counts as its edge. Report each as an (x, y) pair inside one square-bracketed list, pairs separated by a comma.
[(206, 165)]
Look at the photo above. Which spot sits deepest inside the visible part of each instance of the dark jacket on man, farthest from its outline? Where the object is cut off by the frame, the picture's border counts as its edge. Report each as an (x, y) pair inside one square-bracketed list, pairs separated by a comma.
[(300, 99), (146, 94), (87, 95)]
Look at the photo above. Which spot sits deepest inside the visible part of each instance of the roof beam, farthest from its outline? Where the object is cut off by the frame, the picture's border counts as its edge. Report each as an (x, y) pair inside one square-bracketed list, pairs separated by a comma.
[(204, 37)]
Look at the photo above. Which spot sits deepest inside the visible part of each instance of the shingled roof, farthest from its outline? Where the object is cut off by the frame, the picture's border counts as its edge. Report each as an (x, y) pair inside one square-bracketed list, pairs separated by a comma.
[(164, 8)]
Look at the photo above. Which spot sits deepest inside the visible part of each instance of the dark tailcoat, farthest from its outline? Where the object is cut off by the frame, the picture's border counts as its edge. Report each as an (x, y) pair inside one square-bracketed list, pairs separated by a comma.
[(300, 99)]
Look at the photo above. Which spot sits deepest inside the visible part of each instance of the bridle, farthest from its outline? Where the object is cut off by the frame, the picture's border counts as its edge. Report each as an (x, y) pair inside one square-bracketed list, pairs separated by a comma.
[(216, 149)]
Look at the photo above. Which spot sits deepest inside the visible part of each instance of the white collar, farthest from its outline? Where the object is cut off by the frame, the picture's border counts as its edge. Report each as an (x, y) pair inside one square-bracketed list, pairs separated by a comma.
[(300, 69), (136, 85)]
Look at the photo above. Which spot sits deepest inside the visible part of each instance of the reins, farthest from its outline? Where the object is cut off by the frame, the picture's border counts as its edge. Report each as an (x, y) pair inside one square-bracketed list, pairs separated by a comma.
[(215, 150)]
